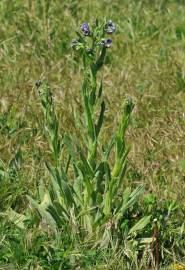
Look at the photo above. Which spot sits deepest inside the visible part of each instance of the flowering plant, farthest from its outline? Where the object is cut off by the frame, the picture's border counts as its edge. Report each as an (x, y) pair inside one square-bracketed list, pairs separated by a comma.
[(86, 194)]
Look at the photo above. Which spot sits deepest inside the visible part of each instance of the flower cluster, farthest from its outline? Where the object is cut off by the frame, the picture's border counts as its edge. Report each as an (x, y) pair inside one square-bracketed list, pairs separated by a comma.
[(108, 28)]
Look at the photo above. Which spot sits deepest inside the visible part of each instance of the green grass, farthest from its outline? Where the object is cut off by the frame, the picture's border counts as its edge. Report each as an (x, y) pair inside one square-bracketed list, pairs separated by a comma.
[(147, 63)]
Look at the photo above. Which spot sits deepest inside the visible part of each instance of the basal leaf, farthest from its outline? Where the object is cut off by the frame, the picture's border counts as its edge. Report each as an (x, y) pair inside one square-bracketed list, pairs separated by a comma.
[(140, 225)]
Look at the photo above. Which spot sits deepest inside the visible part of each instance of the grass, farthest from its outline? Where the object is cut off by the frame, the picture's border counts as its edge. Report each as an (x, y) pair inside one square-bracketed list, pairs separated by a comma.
[(146, 62)]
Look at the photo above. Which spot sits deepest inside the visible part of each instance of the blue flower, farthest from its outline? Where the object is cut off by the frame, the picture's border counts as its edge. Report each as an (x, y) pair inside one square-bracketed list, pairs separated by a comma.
[(110, 27), (85, 29), (106, 42)]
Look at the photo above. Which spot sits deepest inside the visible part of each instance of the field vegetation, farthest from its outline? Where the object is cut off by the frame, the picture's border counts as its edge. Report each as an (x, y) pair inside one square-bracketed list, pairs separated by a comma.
[(92, 134)]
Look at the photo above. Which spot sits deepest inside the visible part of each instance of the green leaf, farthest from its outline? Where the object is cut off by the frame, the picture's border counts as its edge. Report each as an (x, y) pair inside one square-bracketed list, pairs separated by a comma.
[(139, 225), (100, 120), (100, 89), (89, 188), (46, 199), (100, 61), (86, 168), (92, 98), (61, 210), (131, 200), (53, 211), (68, 192), (81, 39), (54, 179), (16, 218), (99, 176), (122, 174), (41, 190), (85, 211), (107, 203), (128, 106), (106, 239), (108, 148), (90, 125), (68, 142), (52, 171), (44, 214), (145, 240)]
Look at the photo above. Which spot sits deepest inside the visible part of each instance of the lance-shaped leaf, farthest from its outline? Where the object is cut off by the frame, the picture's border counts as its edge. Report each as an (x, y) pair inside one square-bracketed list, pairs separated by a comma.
[(61, 210), (84, 165), (100, 61), (54, 213), (46, 216), (139, 225), (131, 200), (100, 120), (89, 119), (100, 89), (92, 97), (16, 218)]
